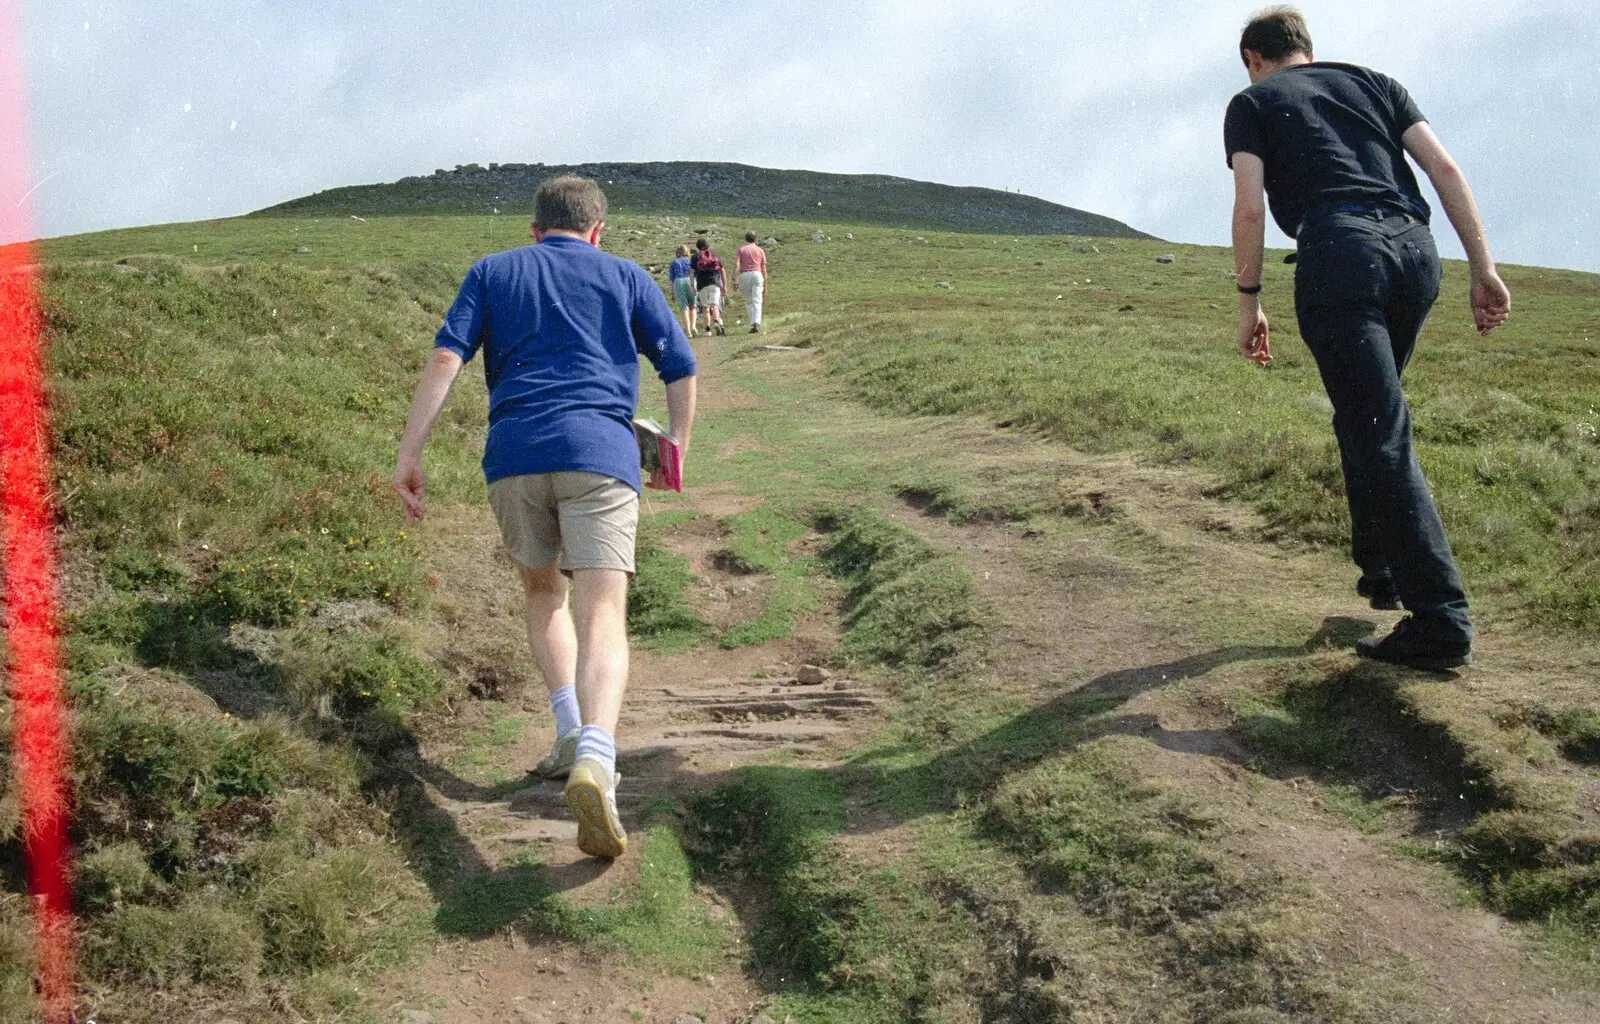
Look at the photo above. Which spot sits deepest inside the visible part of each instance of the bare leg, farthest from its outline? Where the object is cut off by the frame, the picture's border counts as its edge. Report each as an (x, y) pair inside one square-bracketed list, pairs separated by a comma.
[(600, 614), (550, 629)]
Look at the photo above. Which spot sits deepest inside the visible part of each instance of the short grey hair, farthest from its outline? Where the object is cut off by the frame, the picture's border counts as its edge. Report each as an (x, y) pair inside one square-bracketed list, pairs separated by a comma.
[(568, 203)]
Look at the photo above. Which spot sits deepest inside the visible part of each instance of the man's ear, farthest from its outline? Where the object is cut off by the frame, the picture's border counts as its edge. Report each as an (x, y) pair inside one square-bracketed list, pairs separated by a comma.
[(1253, 61), (594, 232), (538, 236)]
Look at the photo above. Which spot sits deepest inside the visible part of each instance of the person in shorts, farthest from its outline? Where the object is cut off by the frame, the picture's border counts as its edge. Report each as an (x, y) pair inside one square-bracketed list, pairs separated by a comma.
[(1327, 143), (561, 325), (682, 278), (711, 278), (752, 278)]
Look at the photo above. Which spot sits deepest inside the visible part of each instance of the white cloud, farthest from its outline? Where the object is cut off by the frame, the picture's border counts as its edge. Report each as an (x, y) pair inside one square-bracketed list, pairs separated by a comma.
[(1114, 107)]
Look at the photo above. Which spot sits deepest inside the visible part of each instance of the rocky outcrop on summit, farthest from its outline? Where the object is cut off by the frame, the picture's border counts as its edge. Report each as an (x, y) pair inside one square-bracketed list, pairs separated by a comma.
[(719, 189)]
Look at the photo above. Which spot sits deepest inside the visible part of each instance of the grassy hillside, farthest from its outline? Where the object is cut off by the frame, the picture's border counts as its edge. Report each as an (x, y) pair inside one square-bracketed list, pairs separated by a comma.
[(253, 644), (728, 190)]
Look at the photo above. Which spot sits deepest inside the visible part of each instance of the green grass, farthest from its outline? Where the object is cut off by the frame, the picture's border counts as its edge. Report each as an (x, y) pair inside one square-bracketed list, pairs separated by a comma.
[(1506, 426), (226, 409), (906, 605), (760, 542)]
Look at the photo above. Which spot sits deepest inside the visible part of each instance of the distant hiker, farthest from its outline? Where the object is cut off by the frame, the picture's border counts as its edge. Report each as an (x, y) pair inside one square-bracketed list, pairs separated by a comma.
[(712, 281), (562, 325), (682, 278), (752, 278), (1328, 143)]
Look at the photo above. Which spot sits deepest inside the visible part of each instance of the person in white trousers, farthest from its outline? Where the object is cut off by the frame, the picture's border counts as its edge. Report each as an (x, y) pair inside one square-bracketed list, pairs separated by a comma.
[(752, 278)]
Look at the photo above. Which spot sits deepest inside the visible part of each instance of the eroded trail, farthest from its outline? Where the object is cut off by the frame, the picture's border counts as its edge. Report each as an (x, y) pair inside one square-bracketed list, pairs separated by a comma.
[(1141, 618)]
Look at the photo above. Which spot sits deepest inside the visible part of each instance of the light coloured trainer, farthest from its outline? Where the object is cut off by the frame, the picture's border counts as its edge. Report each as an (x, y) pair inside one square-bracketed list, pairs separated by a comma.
[(558, 762), (592, 796)]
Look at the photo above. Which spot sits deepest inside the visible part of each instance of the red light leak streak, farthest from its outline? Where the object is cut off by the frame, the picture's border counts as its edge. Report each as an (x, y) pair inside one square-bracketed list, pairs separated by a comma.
[(27, 527)]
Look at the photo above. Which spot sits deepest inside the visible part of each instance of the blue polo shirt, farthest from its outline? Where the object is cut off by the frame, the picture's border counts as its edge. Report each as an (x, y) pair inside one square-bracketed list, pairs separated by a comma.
[(562, 325)]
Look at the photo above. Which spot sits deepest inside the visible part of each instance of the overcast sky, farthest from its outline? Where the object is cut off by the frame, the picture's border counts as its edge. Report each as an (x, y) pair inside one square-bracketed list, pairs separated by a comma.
[(146, 112)]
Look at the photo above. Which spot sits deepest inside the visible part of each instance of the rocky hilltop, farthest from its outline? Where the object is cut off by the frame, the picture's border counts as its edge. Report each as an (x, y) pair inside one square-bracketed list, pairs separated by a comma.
[(719, 188)]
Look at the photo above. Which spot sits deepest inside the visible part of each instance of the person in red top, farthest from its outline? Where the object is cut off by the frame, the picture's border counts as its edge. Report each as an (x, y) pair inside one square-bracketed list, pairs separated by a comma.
[(752, 278)]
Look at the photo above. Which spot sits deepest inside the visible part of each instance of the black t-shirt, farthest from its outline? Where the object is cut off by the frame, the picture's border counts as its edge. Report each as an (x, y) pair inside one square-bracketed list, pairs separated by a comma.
[(707, 268), (1327, 133)]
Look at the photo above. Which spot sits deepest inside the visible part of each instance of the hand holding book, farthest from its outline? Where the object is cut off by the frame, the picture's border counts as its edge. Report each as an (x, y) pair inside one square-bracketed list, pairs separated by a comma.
[(660, 456)]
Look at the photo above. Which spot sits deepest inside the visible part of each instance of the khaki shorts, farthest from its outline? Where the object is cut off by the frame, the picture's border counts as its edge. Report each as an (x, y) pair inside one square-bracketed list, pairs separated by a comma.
[(710, 297), (586, 519)]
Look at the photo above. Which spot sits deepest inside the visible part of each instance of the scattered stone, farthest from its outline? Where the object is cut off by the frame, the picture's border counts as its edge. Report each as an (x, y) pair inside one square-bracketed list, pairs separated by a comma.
[(416, 1017), (717, 912), (1164, 259), (945, 284), (560, 969), (769, 242), (687, 1018), (816, 236), (762, 1018), (812, 675), (777, 348), (302, 250), (527, 1016), (1212, 305), (1125, 309), (841, 685), (850, 235)]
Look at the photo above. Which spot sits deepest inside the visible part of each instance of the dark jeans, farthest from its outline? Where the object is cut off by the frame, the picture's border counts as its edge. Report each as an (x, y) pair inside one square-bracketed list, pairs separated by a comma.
[(1363, 286)]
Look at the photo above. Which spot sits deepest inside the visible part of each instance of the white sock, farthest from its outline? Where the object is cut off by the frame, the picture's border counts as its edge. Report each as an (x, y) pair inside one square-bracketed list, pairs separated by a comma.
[(564, 702), (599, 744)]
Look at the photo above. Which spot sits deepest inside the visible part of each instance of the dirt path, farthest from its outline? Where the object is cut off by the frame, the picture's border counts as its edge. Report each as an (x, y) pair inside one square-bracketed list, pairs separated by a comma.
[(689, 720), (1398, 921), (1083, 609)]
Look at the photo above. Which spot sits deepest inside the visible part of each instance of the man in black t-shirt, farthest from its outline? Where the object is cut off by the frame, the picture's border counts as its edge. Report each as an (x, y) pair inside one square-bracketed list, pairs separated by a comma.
[(1328, 144)]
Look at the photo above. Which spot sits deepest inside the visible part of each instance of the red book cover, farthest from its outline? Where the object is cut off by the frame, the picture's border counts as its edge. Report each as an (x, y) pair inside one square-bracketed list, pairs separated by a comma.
[(660, 456)]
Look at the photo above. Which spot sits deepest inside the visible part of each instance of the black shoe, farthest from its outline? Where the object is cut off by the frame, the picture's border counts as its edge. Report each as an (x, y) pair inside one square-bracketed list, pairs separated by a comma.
[(1409, 646), (755, 328), (1380, 592), (722, 331)]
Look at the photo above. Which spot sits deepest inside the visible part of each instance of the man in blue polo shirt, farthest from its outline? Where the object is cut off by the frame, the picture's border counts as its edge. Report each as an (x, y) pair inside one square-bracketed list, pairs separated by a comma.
[(562, 325), (1328, 143)]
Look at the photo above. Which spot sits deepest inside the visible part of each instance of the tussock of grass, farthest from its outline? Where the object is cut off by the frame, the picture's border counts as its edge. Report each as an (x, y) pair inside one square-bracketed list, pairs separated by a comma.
[(658, 614), (865, 946), (759, 542), (906, 605), (16, 960)]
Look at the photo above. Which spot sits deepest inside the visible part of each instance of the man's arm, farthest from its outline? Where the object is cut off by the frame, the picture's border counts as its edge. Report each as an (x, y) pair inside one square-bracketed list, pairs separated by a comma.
[(680, 410), (410, 482), (1491, 299), (1249, 247)]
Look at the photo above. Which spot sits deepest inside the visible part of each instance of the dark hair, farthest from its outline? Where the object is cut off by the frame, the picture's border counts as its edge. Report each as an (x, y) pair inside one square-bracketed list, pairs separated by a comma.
[(749, 236), (701, 243), (1275, 33), (568, 203)]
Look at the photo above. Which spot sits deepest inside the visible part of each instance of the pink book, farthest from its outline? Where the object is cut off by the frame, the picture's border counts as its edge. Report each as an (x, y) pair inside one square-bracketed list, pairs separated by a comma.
[(659, 455)]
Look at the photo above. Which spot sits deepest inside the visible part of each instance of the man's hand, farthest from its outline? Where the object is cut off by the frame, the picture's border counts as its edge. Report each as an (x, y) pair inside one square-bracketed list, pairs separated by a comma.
[(1253, 334), (411, 483), (1491, 301)]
